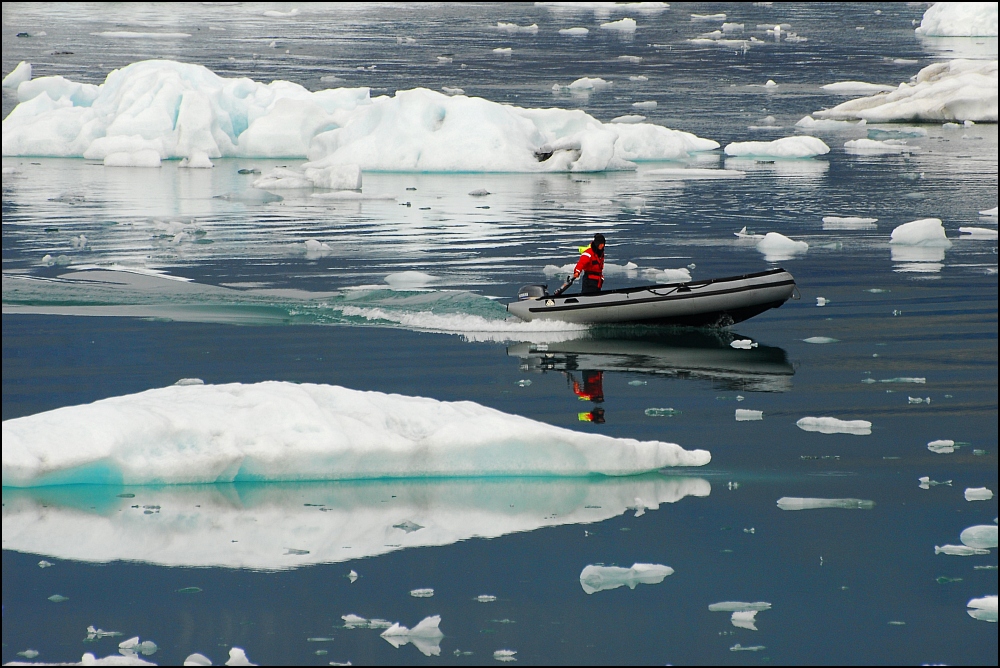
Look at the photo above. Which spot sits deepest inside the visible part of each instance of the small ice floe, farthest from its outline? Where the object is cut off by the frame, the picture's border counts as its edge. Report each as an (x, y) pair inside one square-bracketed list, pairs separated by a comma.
[(17, 76), (927, 483), (58, 598), (732, 27), (681, 275), (44, 564), (316, 248), (770, 84), (514, 28), (978, 494), (983, 536), (505, 655), (918, 400), (197, 659), (826, 125), (409, 279), (821, 301), (524, 383), (29, 653), (583, 85), (636, 383), (602, 578), (486, 598), (661, 412), (352, 576), (820, 339), (630, 59), (978, 233), (133, 647), (743, 344), (629, 119), (237, 657), (745, 415), (648, 104), (574, 32), (422, 593), (750, 648), (479, 192), (960, 550), (694, 173), (190, 381), (332, 177), (874, 147), (989, 212), (743, 234), (943, 446), (625, 25), (453, 90), (777, 247), (96, 634), (849, 223), (856, 88), (788, 147), (829, 425), (638, 77), (502, 51), (744, 619), (984, 609), (708, 17), (796, 503), (425, 636)]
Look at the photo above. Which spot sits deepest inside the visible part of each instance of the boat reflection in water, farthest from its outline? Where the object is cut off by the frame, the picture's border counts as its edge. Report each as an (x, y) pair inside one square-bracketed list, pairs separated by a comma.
[(280, 526), (697, 354)]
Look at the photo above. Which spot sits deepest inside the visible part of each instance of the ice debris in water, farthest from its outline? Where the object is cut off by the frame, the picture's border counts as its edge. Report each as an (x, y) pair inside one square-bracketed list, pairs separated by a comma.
[(978, 233), (486, 598), (959, 19), (602, 578), (777, 247), (18, 75), (983, 536), (743, 344), (584, 84), (290, 431), (788, 147), (628, 118), (918, 400), (479, 192), (425, 636), (96, 634), (28, 653), (190, 381), (849, 223), (978, 494), (44, 564), (927, 483), (523, 383), (955, 90), (352, 576), (504, 655), (661, 412), (237, 657), (744, 619), (795, 503), (983, 609), (745, 415), (574, 32), (422, 593), (821, 301), (750, 648), (197, 659), (624, 25), (820, 339), (132, 647), (514, 28), (58, 598), (829, 425), (959, 550), (637, 383), (739, 606), (866, 146), (647, 104), (743, 234)]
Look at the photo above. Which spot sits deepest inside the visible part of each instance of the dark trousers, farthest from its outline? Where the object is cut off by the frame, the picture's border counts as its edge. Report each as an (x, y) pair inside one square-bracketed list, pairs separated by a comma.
[(589, 286)]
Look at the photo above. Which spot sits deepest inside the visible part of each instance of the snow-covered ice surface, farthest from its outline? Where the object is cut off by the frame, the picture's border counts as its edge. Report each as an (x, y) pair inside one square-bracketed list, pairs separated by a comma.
[(399, 287), (959, 19)]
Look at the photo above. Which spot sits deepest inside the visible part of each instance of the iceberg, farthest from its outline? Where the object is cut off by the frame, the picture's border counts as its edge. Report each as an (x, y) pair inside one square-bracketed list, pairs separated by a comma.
[(829, 425), (794, 503), (196, 525), (602, 578), (181, 110), (425, 636), (978, 494), (981, 536), (875, 147), (17, 76), (787, 147), (625, 25), (959, 19), (574, 32), (956, 90), (275, 431), (777, 247), (983, 609), (928, 232)]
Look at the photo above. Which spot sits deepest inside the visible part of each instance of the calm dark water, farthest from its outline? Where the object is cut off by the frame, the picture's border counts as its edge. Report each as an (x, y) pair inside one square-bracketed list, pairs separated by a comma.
[(258, 307)]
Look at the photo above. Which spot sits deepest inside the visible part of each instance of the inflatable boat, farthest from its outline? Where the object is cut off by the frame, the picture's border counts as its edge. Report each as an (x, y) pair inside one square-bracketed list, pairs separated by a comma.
[(717, 302)]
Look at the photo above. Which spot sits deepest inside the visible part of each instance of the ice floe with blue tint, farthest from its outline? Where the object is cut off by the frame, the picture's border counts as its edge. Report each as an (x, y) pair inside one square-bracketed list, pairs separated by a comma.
[(602, 578)]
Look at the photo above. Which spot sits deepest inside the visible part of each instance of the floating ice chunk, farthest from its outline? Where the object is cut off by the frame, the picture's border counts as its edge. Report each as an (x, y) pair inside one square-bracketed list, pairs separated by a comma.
[(638, 77), (959, 19), (989, 212), (410, 279), (856, 88), (574, 32), (197, 160), (777, 247), (739, 606), (809, 123), (770, 84), (694, 173), (197, 659), (133, 647), (514, 28), (421, 593), (743, 344), (486, 598), (18, 75), (44, 564), (504, 655), (628, 118), (978, 494), (288, 431), (923, 232), (787, 147), (630, 59), (918, 400), (96, 634), (648, 104), (942, 447), (479, 192), (352, 576), (956, 90), (352, 621), (28, 653), (984, 609), (624, 25), (661, 412), (425, 636), (316, 248), (874, 147), (927, 483), (503, 51), (750, 648), (960, 550), (58, 598), (743, 234), (829, 425), (745, 415), (821, 339), (983, 536), (237, 657), (821, 301), (143, 158), (587, 84), (795, 503), (708, 17), (978, 233), (744, 619), (849, 223), (602, 578), (682, 275)]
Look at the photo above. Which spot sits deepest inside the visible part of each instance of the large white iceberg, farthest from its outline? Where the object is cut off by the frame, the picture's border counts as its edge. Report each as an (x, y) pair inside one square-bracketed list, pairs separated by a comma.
[(959, 19), (285, 431), (924, 232), (180, 109), (266, 526), (787, 147), (957, 90)]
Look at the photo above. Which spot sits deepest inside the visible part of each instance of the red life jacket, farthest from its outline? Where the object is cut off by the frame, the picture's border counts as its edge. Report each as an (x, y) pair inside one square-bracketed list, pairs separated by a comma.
[(591, 266)]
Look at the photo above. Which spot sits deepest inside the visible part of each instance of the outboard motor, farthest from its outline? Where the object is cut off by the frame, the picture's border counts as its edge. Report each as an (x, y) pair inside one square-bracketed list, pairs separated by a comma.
[(532, 292)]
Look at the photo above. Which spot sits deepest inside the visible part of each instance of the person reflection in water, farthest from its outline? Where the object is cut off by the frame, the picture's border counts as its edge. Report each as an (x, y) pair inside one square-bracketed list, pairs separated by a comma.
[(592, 389)]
